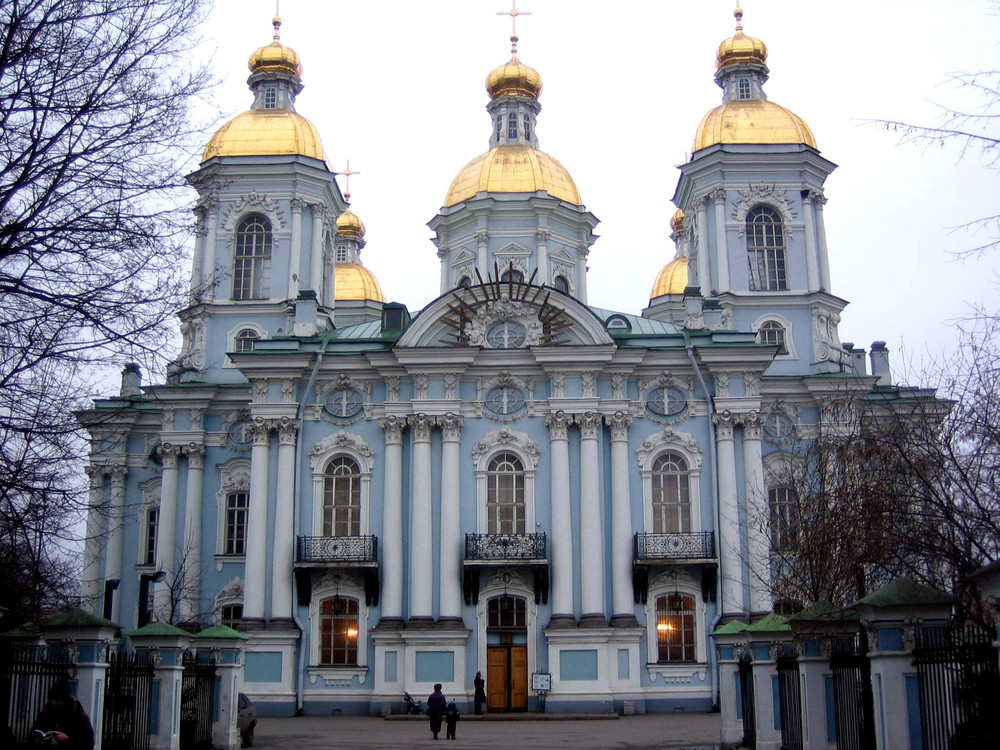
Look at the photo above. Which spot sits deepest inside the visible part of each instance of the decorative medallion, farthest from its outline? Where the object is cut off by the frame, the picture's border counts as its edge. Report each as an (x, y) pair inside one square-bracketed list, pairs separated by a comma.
[(505, 400), (343, 403)]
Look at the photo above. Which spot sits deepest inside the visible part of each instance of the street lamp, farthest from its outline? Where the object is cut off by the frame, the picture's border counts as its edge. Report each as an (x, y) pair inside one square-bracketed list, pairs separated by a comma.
[(145, 580)]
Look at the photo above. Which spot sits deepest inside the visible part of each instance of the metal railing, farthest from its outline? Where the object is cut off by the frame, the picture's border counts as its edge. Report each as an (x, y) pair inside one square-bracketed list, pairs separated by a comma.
[(505, 546), (320, 549), (691, 545)]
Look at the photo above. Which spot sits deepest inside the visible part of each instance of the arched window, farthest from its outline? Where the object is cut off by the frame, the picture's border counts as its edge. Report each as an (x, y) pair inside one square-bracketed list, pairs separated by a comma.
[(744, 88), (339, 631), (766, 250), (561, 283), (252, 264), (784, 519), (512, 274), (671, 495), (772, 332), (675, 628), (512, 126), (270, 98), (465, 282), (243, 342), (506, 612), (342, 498), (505, 506)]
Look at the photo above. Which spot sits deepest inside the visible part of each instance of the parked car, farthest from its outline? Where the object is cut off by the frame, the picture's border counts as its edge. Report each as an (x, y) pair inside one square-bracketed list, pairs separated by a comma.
[(246, 719)]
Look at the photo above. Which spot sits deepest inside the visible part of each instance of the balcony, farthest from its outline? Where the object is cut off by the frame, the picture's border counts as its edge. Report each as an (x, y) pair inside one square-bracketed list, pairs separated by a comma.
[(337, 552), (505, 550), (684, 548)]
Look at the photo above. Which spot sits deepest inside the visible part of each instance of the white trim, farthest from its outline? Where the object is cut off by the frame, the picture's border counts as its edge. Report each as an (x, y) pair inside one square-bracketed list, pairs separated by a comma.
[(505, 441), (150, 501), (231, 338), (332, 584), (786, 324), (507, 581), (342, 443), (234, 476), (664, 584), (669, 440)]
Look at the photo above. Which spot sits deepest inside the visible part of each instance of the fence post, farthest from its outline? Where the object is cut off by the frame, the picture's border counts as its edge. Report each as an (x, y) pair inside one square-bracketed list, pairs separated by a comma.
[(226, 645), (88, 637), (729, 642), (987, 580), (889, 615), (766, 637), (165, 645)]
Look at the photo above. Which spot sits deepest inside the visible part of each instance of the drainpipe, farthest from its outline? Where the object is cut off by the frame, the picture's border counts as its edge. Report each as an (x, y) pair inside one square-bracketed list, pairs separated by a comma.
[(300, 677), (714, 476)]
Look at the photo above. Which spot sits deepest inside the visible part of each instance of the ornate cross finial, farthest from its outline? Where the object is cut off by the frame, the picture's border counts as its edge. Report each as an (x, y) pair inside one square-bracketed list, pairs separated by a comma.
[(276, 21), (738, 13), (513, 13), (347, 180)]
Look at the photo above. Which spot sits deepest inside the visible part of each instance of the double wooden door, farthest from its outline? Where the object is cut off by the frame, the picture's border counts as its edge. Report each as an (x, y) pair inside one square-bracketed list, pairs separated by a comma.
[(507, 678)]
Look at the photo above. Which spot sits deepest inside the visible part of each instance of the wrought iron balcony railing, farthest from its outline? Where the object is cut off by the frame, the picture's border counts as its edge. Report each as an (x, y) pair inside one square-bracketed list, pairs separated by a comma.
[(338, 549), (487, 547), (691, 545)]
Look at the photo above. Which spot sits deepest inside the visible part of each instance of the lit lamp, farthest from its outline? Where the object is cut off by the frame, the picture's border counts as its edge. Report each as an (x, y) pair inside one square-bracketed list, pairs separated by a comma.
[(145, 581)]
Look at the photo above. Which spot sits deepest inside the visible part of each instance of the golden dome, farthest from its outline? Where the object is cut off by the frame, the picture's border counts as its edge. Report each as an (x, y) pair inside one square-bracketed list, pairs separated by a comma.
[(740, 49), (677, 220), (355, 282), (266, 132), (275, 57), (349, 224), (673, 279), (752, 121), (513, 169), (514, 78)]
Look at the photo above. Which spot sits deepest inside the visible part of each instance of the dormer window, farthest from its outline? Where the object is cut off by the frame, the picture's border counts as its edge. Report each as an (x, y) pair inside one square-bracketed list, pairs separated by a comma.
[(743, 90), (527, 128), (270, 98), (341, 254), (512, 127)]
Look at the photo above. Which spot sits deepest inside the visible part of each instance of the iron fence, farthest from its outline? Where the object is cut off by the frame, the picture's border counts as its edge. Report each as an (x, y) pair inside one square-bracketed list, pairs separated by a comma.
[(959, 685), (504, 546), (197, 693), (691, 545), (790, 700), (26, 674), (853, 701), (748, 702), (128, 696), (320, 549)]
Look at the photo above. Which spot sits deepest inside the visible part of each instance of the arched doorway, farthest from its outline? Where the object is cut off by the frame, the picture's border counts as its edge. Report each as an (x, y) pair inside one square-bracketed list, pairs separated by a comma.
[(507, 654)]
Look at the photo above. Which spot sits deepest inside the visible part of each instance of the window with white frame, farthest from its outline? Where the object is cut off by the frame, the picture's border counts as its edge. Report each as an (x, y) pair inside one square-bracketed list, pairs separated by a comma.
[(505, 507), (527, 127), (766, 250), (783, 521), (243, 341), (507, 612), (270, 98), (772, 332), (676, 628), (342, 498), (671, 494), (499, 127), (150, 525), (339, 631), (341, 254), (505, 462), (231, 615), (512, 126), (561, 283), (237, 508), (743, 89), (252, 261)]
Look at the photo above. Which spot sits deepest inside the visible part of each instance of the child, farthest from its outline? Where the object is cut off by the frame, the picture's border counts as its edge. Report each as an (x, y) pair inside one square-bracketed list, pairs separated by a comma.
[(451, 717)]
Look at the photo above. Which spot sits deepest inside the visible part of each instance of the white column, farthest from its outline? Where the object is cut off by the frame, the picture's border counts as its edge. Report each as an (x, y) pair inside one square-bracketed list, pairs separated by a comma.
[(591, 538), (295, 256), (209, 276), (391, 547), (443, 253), (584, 251), (758, 552), (192, 532), (621, 520), (812, 259), (316, 259), (116, 516), (562, 530), (167, 595), (542, 262), (421, 522), (730, 549), (482, 261), (283, 545), (704, 267), (721, 247), (90, 577), (255, 569), (824, 259), (198, 256), (451, 531)]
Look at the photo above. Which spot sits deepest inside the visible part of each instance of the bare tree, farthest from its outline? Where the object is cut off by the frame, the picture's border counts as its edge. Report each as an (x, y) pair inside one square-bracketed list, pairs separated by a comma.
[(96, 134)]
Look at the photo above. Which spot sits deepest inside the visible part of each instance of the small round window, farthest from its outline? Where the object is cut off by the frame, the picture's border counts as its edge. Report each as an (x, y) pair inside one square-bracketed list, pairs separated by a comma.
[(667, 402), (343, 403), (505, 400), (507, 334)]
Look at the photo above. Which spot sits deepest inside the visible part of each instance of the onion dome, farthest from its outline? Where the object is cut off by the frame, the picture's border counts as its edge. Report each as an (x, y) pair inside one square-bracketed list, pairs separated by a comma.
[(677, 221), (349, 225), (513, 169), (740, 49), (355, 282), (275, 57), (672, 279), (514, 78), (752, 121), (266, 132)]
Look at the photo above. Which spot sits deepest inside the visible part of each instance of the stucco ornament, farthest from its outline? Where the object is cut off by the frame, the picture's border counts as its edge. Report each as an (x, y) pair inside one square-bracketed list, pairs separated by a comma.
[(768, 195), (669, 437), (339, 441), (826, 337), (507, 578), (192, 356), (253, 202), (504, 310), (502, 437), (236, 479)]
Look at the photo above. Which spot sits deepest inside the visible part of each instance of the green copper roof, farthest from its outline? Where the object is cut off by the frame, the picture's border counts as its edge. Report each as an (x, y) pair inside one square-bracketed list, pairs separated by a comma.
[(222, 631), (160, 628), (640, 326), (904, 592), (771, 624), (27, 630), (733, 627), (77, 618)]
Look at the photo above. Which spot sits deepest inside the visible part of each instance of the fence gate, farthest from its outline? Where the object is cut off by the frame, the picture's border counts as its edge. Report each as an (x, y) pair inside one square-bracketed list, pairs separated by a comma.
[(959, 687), (26, 674), (747, 702), (853, 701), (197, 691), (128, 695), (790, 700)]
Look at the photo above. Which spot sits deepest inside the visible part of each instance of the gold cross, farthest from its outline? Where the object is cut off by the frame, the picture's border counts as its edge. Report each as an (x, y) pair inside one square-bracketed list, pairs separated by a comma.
[(513, 13), (347, 180)]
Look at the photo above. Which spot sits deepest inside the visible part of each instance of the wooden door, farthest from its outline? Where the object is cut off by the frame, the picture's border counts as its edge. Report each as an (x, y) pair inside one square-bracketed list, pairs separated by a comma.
[(497, 677), (518, 678)]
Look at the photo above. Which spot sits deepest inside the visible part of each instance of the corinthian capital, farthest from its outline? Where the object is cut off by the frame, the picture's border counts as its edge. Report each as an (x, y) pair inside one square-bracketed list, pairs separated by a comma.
[(590, 425), (619, 423), (287, 429), (195, 453), (421, 425), (168, 455), (558, 422), (393, 427), (259, 428), (724, 423), (751, 422), (451, 426)]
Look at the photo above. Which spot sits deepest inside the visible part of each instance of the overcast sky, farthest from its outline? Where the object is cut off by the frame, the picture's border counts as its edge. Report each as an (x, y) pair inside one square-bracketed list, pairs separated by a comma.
[(397, 87)]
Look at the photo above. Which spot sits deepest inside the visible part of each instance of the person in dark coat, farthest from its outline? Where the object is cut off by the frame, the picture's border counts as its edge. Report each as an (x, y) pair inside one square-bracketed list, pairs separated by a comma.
[(480, 697), (451, 717), (64, 715), (436, 706)]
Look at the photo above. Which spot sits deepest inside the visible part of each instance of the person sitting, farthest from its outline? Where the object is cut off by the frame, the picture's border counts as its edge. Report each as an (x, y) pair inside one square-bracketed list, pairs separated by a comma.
[(65, 719)]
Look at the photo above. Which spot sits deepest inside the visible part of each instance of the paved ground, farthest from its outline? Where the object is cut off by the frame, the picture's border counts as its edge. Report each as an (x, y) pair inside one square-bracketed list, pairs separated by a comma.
[(649, 732)]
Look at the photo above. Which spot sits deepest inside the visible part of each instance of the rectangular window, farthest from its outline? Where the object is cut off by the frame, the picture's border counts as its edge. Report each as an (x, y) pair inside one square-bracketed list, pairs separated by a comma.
[(744, 88), (237, 506), (152, 515), (675, 628), (527, 128), (341, 254), (231, 615), (339, 631), (511, 127), (270, 98)]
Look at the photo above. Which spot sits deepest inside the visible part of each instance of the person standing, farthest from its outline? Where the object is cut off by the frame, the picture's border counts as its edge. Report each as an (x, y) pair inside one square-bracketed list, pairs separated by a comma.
[(64, 716), (436, 706), (480, 696), (451, 717)]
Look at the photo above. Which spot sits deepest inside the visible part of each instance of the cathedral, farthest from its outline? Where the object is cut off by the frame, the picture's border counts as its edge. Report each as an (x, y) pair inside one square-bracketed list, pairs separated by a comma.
[(511, 480)]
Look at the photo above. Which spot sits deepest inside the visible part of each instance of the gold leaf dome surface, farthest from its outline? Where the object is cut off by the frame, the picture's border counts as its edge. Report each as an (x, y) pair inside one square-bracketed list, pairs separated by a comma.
[(266, 132), (275, 57), (672, 279), (740, 49), (677, 220), (355, 282), (513, 169), (349, 224), (514, 78), (752, 121)]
